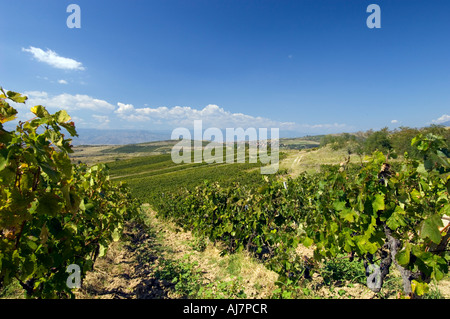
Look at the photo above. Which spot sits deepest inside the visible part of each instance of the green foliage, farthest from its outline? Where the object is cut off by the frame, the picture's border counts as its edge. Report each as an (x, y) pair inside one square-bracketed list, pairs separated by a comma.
[(223, 290), (199, 243), (132, 148), (397, 142), (339, 141), (341, 211), (150, 177), (184, 275), (52, 213), (342, 269), (378, 141), (189, 282)]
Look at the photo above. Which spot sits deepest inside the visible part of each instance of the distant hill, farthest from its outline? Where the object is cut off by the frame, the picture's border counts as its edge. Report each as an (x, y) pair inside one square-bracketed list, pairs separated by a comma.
[(123, 137), (117, 137)]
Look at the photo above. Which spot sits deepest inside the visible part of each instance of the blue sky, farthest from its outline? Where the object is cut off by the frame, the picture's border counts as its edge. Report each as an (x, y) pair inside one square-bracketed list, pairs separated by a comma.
[(308, 66)]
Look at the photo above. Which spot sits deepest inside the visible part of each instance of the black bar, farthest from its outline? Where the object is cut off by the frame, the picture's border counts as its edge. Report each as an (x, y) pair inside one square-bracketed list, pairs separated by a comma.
[(219, 308)]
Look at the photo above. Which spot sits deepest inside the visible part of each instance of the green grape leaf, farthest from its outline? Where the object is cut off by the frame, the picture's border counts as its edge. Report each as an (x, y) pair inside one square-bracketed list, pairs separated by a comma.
[(445, 210), (29, 266), (101, 250), (366, 246), (397, 218), (115, 235), (48, 205), (60, 210), (422, 170), (32, 244), (307, 242), (403, 256), (415, 195), (428, 164), (16, 97), (70, 127), (51, 172), (419, 288), (430, 228), (348, 215), (4, 119), (432, 265), (378, 202), (4, 161), (39, 111), (339, 206), (61, 116), (7, 112), (43, 236), (71, 226)]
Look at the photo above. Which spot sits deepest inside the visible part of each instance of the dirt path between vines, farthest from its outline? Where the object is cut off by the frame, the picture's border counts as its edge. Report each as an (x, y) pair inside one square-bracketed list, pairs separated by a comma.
[(127, 271)]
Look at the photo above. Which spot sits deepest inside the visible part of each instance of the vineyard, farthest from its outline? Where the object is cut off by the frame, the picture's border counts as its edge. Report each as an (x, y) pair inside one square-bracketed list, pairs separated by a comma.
[(54, 216), (379, 214), (387, 215), (383, 216)]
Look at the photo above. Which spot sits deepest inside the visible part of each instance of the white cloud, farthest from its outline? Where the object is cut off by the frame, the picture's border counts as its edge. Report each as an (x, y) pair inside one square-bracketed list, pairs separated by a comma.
[(212, 116), (62, 82), (442, 119), (128, 112), (101, 120), (92, 112), (52, 58), (67, 101), (124, 109), (36, 94), (394, 121), (78, 120)]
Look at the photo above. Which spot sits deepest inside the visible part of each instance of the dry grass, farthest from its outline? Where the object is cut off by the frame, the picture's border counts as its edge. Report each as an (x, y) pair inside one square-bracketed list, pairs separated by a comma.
[(258, 281), (310, 160), (120, 273)]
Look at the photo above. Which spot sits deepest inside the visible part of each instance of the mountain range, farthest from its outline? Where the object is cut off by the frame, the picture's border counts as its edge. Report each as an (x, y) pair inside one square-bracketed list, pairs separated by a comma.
[(117, 137), (122, 137)]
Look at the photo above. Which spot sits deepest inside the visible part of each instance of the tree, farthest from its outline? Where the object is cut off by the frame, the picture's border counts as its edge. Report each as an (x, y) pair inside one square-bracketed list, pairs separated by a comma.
[(378, 140)]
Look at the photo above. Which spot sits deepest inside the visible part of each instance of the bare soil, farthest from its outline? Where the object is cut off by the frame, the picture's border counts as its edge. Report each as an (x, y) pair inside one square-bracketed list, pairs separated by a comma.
[(121, 275), (127, 271)]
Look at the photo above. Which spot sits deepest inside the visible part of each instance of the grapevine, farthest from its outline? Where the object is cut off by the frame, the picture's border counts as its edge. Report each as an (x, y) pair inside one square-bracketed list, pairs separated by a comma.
[(379, 211), (52, 213)]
